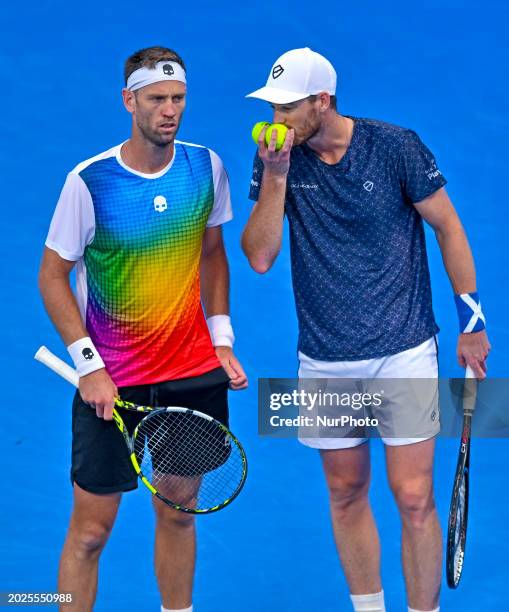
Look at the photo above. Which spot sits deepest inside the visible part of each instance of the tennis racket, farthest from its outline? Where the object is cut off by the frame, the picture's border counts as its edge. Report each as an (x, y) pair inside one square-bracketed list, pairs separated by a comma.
[(187, 459), (458, 511)]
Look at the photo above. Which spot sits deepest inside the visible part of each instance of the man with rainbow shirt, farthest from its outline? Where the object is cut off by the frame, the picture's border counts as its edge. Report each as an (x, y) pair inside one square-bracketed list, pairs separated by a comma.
[(142, 223)]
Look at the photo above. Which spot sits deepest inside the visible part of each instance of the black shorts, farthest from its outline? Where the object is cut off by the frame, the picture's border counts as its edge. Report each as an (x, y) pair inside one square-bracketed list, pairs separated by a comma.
[(100, 459)]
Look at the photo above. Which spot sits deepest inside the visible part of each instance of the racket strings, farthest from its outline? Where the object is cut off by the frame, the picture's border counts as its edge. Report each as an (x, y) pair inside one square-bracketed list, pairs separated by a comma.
[(459, 531), (190, 460), (460, 514)]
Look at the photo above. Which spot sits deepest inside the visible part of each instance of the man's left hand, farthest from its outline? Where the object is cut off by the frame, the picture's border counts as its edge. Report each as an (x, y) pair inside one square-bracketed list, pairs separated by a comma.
[(231, 365), (473, 350)]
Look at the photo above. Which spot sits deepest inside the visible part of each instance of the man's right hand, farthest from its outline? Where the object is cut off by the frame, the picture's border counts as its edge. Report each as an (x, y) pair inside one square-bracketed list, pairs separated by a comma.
[(276, 163), (99, 391), (262, 236)]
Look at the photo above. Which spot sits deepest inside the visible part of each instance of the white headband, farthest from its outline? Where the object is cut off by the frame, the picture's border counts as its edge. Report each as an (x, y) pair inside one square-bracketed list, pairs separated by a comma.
[(163, 71)]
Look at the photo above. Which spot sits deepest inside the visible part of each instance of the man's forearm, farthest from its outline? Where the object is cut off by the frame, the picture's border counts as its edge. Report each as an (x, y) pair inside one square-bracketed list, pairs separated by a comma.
[(215, 282), (62, 308), (473, 348), (457, 257), (262, 237)]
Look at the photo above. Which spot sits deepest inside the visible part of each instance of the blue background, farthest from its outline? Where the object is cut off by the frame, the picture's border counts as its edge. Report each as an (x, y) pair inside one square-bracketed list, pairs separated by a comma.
[(436, 67)]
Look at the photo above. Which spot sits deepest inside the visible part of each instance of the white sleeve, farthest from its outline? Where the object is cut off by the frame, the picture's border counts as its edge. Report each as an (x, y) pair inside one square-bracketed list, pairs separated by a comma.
[(73, 225), (222, 210)]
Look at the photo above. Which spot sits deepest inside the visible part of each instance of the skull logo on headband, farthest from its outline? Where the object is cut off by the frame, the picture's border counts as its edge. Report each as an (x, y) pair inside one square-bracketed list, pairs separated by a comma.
[(162, 71)]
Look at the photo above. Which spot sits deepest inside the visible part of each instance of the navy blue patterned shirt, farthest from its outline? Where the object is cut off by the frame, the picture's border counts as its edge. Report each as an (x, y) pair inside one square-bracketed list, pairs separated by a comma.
[(358, 252)]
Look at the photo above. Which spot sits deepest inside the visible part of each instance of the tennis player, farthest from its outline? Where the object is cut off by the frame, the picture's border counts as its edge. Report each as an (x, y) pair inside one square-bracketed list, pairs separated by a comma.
[(355, 193), (142, 223)]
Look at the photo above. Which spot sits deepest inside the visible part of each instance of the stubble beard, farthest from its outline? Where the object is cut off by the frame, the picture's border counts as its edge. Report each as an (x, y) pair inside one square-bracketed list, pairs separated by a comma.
[(310, 128), (159, 140)]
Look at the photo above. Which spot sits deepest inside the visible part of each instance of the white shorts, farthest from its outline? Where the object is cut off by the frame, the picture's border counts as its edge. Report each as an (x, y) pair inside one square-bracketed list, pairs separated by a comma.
[(418, 362)]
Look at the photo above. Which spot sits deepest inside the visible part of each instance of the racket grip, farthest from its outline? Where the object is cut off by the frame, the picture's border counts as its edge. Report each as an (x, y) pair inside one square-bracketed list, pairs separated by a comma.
[(469, 373), (56, 364), (469, 391)]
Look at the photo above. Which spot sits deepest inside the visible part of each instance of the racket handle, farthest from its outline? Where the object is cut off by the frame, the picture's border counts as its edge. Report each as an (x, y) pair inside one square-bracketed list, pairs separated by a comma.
[(469, 392), (469, 373), (56, 364)]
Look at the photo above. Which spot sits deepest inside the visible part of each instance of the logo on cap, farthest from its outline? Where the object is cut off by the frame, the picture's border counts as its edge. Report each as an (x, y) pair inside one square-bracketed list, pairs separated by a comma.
[(277, 71), (168, 69)]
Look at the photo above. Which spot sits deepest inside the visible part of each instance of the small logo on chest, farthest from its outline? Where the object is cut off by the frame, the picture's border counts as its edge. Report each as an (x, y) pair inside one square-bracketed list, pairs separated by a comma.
[(303, 186), (368, 186), (160, 203)]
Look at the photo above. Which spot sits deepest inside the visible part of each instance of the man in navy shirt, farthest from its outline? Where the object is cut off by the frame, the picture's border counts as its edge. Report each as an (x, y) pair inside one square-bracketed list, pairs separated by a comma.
[(355, 192)]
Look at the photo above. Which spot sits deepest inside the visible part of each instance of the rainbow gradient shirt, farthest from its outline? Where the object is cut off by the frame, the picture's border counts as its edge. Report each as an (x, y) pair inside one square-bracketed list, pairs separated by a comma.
[(137, 241)]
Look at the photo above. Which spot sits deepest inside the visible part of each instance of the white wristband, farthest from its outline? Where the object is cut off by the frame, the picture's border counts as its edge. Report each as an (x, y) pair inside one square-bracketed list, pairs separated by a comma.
[(220, 330), (85, 356)]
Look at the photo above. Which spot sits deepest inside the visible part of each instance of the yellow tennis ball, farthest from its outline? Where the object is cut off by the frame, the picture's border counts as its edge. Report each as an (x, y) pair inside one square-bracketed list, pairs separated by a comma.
[(281, 134), (258, 127)]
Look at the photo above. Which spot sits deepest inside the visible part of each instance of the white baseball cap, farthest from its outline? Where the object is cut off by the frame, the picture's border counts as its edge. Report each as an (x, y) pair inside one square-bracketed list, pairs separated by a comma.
[(296, 75)]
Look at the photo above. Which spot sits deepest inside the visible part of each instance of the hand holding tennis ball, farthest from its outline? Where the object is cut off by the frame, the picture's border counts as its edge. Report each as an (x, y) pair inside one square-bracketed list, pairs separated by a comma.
[(281, 131)]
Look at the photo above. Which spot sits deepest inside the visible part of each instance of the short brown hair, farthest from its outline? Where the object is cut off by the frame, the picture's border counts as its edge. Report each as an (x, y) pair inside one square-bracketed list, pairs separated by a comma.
[(333, 101), (149, 57)]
